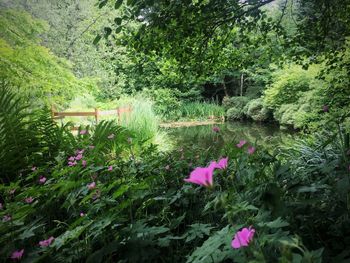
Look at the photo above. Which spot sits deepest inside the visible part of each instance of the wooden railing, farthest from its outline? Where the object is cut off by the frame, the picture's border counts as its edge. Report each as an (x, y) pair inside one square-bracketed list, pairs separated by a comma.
[(119, 112)]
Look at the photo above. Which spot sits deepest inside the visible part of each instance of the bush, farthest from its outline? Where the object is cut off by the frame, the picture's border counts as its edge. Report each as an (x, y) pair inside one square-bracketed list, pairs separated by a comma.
[(234, 114), (256, 110), (235, 102), (165, 101), (289, 84)]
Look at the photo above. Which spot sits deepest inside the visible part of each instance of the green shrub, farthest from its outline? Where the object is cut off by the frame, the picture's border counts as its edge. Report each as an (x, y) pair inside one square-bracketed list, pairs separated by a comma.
[(256, 110), (234, 114), (165, 101), (289, 84), (235, 102)]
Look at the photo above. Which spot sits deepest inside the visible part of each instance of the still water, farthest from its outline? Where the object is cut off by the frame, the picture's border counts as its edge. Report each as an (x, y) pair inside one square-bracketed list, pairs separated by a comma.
[(267, 135)]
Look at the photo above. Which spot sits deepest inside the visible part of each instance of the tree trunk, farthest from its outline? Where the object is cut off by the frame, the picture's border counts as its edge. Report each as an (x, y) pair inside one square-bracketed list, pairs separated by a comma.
[(225, 88), (242, 80)]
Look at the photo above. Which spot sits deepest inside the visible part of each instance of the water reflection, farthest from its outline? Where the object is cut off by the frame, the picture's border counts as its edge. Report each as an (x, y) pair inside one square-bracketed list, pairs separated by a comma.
[(267, 135)]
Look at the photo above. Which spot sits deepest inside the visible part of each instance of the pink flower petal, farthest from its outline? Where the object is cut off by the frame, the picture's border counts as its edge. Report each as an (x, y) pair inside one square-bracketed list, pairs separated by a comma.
[(243, 238), (251, 150), (91, 185), (222, 164), (241, 143), (17, 254), (47, 242)]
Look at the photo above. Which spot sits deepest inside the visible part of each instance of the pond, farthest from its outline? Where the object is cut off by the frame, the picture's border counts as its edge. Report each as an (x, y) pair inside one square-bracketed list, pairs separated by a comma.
[(267, 135)]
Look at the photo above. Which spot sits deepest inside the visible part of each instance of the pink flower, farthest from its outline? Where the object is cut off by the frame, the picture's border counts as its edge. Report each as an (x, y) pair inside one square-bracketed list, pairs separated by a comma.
[(79, 157), (70, 164), (47, 242), (29, 200), (110, 168), (241, 143), (33, 168), (91, 147), (17, 254), (216, 129), (82, 214), (71, 159), (6, 218), (202, 175), (83, 163), (222, 164), (91, 186), (82, 132), (79, 151), (111, 136), (167, 167), (243, 238), (42, 180), (251, 150)]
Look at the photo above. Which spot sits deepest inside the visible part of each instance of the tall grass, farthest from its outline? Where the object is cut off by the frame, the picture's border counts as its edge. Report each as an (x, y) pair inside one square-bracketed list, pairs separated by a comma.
[(142, 120), (196, 111)]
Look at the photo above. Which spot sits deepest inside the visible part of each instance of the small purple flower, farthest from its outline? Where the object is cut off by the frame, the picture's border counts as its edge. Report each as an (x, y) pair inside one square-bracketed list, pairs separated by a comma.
[(79, 157), (47, 242), (70, 164), (71, 158), (79, 151), (216, 129), (83, 163), (42, 180), (82, 132), (241, 143), (29, 200), (82, 214), (251, 150), (6, 218), (17, 255), (91, 186), (33, 168), (110, 168)]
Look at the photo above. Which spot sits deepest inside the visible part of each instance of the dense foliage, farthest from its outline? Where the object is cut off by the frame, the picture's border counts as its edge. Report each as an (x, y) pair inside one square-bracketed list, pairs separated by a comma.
[(124, 190), (103, 197)]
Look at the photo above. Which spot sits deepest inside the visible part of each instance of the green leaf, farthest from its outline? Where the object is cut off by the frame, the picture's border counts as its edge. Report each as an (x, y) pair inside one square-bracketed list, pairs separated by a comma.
[(118, 29), (278, 223), (216, 248), (69, 235), (97, 39), (118, 20), (108, 31), (102, 3), (117, 4)]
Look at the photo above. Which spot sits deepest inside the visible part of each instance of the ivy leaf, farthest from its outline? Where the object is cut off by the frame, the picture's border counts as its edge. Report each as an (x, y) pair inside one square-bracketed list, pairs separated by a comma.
[(102, 3), (118, 30), (108, 31), (97, 39), (117, 4), (118, 21)]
